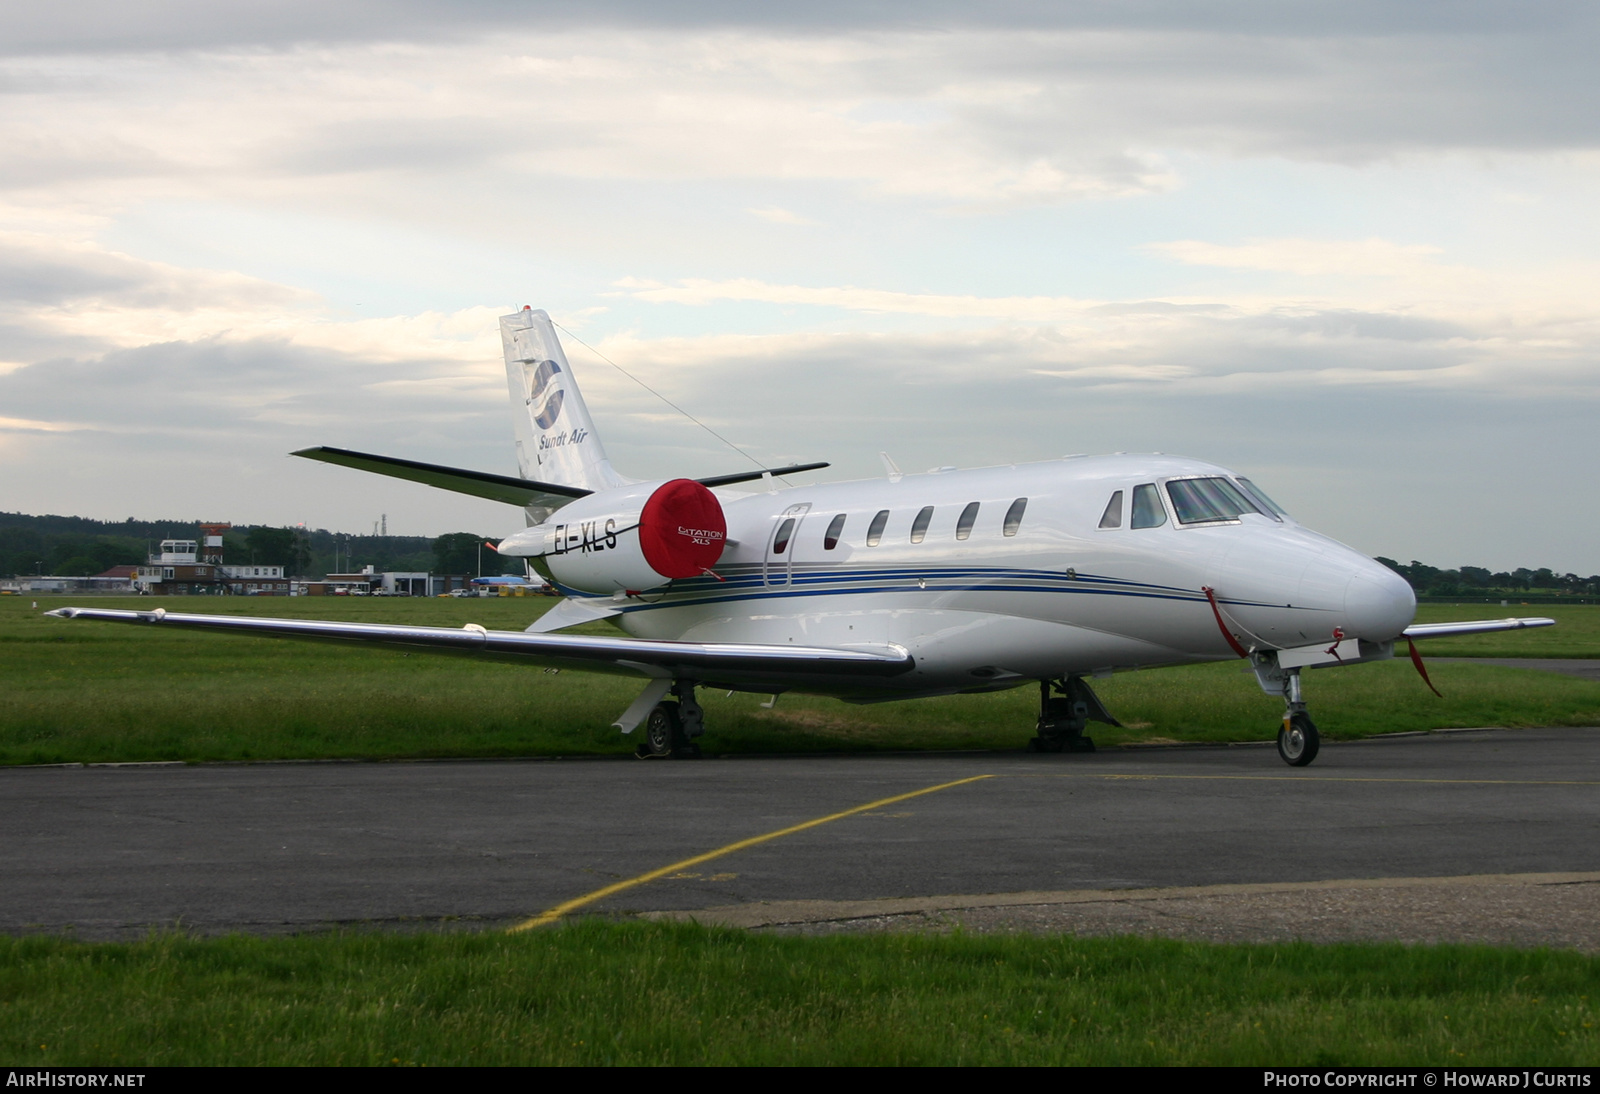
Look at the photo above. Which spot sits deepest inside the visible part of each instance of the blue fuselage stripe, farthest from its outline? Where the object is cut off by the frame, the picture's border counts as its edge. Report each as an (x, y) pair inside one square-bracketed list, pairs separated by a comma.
[(757, 586)]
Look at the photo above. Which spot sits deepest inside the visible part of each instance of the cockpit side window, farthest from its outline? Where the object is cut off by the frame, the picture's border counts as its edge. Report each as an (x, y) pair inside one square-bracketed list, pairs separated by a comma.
[(1199, 501), (969, 517), (875, 529), (830, 539), (1014, 516), (919, 527), (1147, 509), (1112, 517), (1264, 503)]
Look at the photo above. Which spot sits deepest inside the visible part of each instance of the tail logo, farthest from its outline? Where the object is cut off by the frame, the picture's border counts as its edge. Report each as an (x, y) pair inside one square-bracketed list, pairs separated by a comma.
[(551, 411), (546, 416)]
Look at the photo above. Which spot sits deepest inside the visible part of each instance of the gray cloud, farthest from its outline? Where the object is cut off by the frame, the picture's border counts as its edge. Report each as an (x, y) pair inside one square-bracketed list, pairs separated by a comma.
[(991, 114), (237, 390), (105, 25)]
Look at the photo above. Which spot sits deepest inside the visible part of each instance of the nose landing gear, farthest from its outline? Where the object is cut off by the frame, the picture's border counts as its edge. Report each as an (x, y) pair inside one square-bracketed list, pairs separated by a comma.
[(1298, 740)]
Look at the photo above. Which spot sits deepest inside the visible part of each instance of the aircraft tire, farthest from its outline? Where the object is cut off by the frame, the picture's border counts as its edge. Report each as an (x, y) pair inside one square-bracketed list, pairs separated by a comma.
[(1299, 740), (660, 730)]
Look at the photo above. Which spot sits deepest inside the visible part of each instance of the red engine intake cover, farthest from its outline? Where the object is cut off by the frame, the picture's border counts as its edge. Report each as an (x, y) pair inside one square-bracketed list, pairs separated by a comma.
[(682, 530)]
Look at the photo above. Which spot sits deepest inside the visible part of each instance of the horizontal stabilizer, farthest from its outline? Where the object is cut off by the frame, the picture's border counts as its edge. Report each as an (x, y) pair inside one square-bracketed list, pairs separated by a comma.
[(506, 488), (1473, 626), (733, 664), (750, 476), (480, 484)]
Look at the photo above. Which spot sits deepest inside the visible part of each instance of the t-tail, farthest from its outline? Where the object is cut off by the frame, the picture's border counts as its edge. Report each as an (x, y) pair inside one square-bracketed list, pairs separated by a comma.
[(559, 455), (556, 438)]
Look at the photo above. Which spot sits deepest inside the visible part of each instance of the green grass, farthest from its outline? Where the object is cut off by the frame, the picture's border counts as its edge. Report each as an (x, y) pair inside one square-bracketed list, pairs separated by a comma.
[(92, 692), (601, 993), (1576, 633)]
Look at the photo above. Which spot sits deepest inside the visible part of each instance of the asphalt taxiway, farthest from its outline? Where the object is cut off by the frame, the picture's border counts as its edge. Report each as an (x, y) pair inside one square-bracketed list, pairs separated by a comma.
[(269, 848)]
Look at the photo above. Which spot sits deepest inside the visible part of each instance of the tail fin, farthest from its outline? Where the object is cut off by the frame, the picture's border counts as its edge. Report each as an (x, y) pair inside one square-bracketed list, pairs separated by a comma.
[(556, 439)]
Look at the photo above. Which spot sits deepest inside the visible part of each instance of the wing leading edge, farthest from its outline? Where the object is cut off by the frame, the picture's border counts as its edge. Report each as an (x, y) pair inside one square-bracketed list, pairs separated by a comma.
[(730, 663), (480, 484)]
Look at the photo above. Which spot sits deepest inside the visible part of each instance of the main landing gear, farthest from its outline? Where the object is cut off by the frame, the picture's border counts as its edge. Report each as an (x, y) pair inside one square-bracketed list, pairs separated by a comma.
[(1298, 740), (674, 725), (1065, 715)]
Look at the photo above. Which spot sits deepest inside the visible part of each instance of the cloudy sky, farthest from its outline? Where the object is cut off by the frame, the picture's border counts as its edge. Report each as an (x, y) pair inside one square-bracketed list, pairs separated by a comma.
[(1348, 249)]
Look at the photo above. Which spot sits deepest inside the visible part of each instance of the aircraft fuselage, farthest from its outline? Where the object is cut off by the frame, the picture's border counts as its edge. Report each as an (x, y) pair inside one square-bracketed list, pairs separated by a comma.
[(981, 609)]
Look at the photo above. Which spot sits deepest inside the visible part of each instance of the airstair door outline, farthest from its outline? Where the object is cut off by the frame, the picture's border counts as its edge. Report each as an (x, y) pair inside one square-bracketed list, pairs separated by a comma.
[(778, 567)]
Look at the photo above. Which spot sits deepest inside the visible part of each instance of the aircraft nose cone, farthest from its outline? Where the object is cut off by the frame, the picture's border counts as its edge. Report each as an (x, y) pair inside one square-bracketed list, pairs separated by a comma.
[(1378, 603)]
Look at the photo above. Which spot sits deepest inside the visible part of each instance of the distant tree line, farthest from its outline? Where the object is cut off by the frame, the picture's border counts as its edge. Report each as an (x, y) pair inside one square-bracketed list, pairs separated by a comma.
[(77, 547), (1475, 581)]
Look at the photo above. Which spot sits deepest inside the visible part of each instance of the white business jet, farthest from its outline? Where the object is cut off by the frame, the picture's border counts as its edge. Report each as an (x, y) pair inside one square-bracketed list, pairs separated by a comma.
[(912, 585)]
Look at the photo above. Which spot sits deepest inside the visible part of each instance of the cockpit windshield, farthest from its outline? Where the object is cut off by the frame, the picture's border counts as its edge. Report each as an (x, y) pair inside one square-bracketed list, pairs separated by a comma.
[(1198, 501)]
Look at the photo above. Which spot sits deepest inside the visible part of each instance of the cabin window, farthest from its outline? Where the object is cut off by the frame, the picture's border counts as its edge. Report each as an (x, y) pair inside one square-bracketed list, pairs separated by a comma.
[(969, 517), (1264, 503), (1147, 509), (1014, 516), (781, 541), (1112, 517), (919, 527), (1202, 501), (875, 529), (830, 539)]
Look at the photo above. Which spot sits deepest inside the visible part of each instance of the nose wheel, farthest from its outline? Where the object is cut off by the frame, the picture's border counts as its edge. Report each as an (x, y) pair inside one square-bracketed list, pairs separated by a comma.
[(1298, 740)]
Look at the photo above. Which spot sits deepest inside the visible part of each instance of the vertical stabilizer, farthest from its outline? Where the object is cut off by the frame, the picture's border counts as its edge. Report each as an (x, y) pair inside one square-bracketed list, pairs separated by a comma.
[(556, 439)]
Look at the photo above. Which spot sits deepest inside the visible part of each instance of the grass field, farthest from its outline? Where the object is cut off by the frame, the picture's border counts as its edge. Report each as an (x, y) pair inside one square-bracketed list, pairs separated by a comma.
[(599, 993), (93, 692)]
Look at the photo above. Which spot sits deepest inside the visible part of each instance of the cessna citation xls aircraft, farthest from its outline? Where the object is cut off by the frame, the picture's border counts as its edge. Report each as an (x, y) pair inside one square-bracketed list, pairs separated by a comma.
[(954, 581)]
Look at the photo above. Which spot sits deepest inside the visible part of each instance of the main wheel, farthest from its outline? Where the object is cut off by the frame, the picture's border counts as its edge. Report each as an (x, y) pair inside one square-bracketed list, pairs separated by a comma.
[(661, 730), (1298, 740)]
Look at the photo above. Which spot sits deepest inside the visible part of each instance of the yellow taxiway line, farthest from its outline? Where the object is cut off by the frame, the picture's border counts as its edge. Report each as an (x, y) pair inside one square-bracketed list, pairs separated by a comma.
[(560, 910)]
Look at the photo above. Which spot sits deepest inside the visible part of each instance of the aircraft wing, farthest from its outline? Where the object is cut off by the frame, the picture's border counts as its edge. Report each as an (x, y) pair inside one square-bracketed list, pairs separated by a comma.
[(1474, 626), (480, 484), (726, 663)]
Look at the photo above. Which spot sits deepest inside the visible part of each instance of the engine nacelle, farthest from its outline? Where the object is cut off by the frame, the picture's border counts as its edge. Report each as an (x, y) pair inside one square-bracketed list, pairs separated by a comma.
[(631, 539)]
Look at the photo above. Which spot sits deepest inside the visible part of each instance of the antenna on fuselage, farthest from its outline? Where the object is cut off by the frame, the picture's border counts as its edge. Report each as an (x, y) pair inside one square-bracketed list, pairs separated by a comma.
[(895, 474)]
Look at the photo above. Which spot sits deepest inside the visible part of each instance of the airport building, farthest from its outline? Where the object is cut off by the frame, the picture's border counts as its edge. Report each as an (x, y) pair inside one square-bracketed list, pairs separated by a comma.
[(369, 582), (118, 579), (194, 567)]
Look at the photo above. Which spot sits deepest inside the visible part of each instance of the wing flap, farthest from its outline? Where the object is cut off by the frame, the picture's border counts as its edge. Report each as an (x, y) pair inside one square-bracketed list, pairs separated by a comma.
[(480, 484), (1474, 626), (729, 662)]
